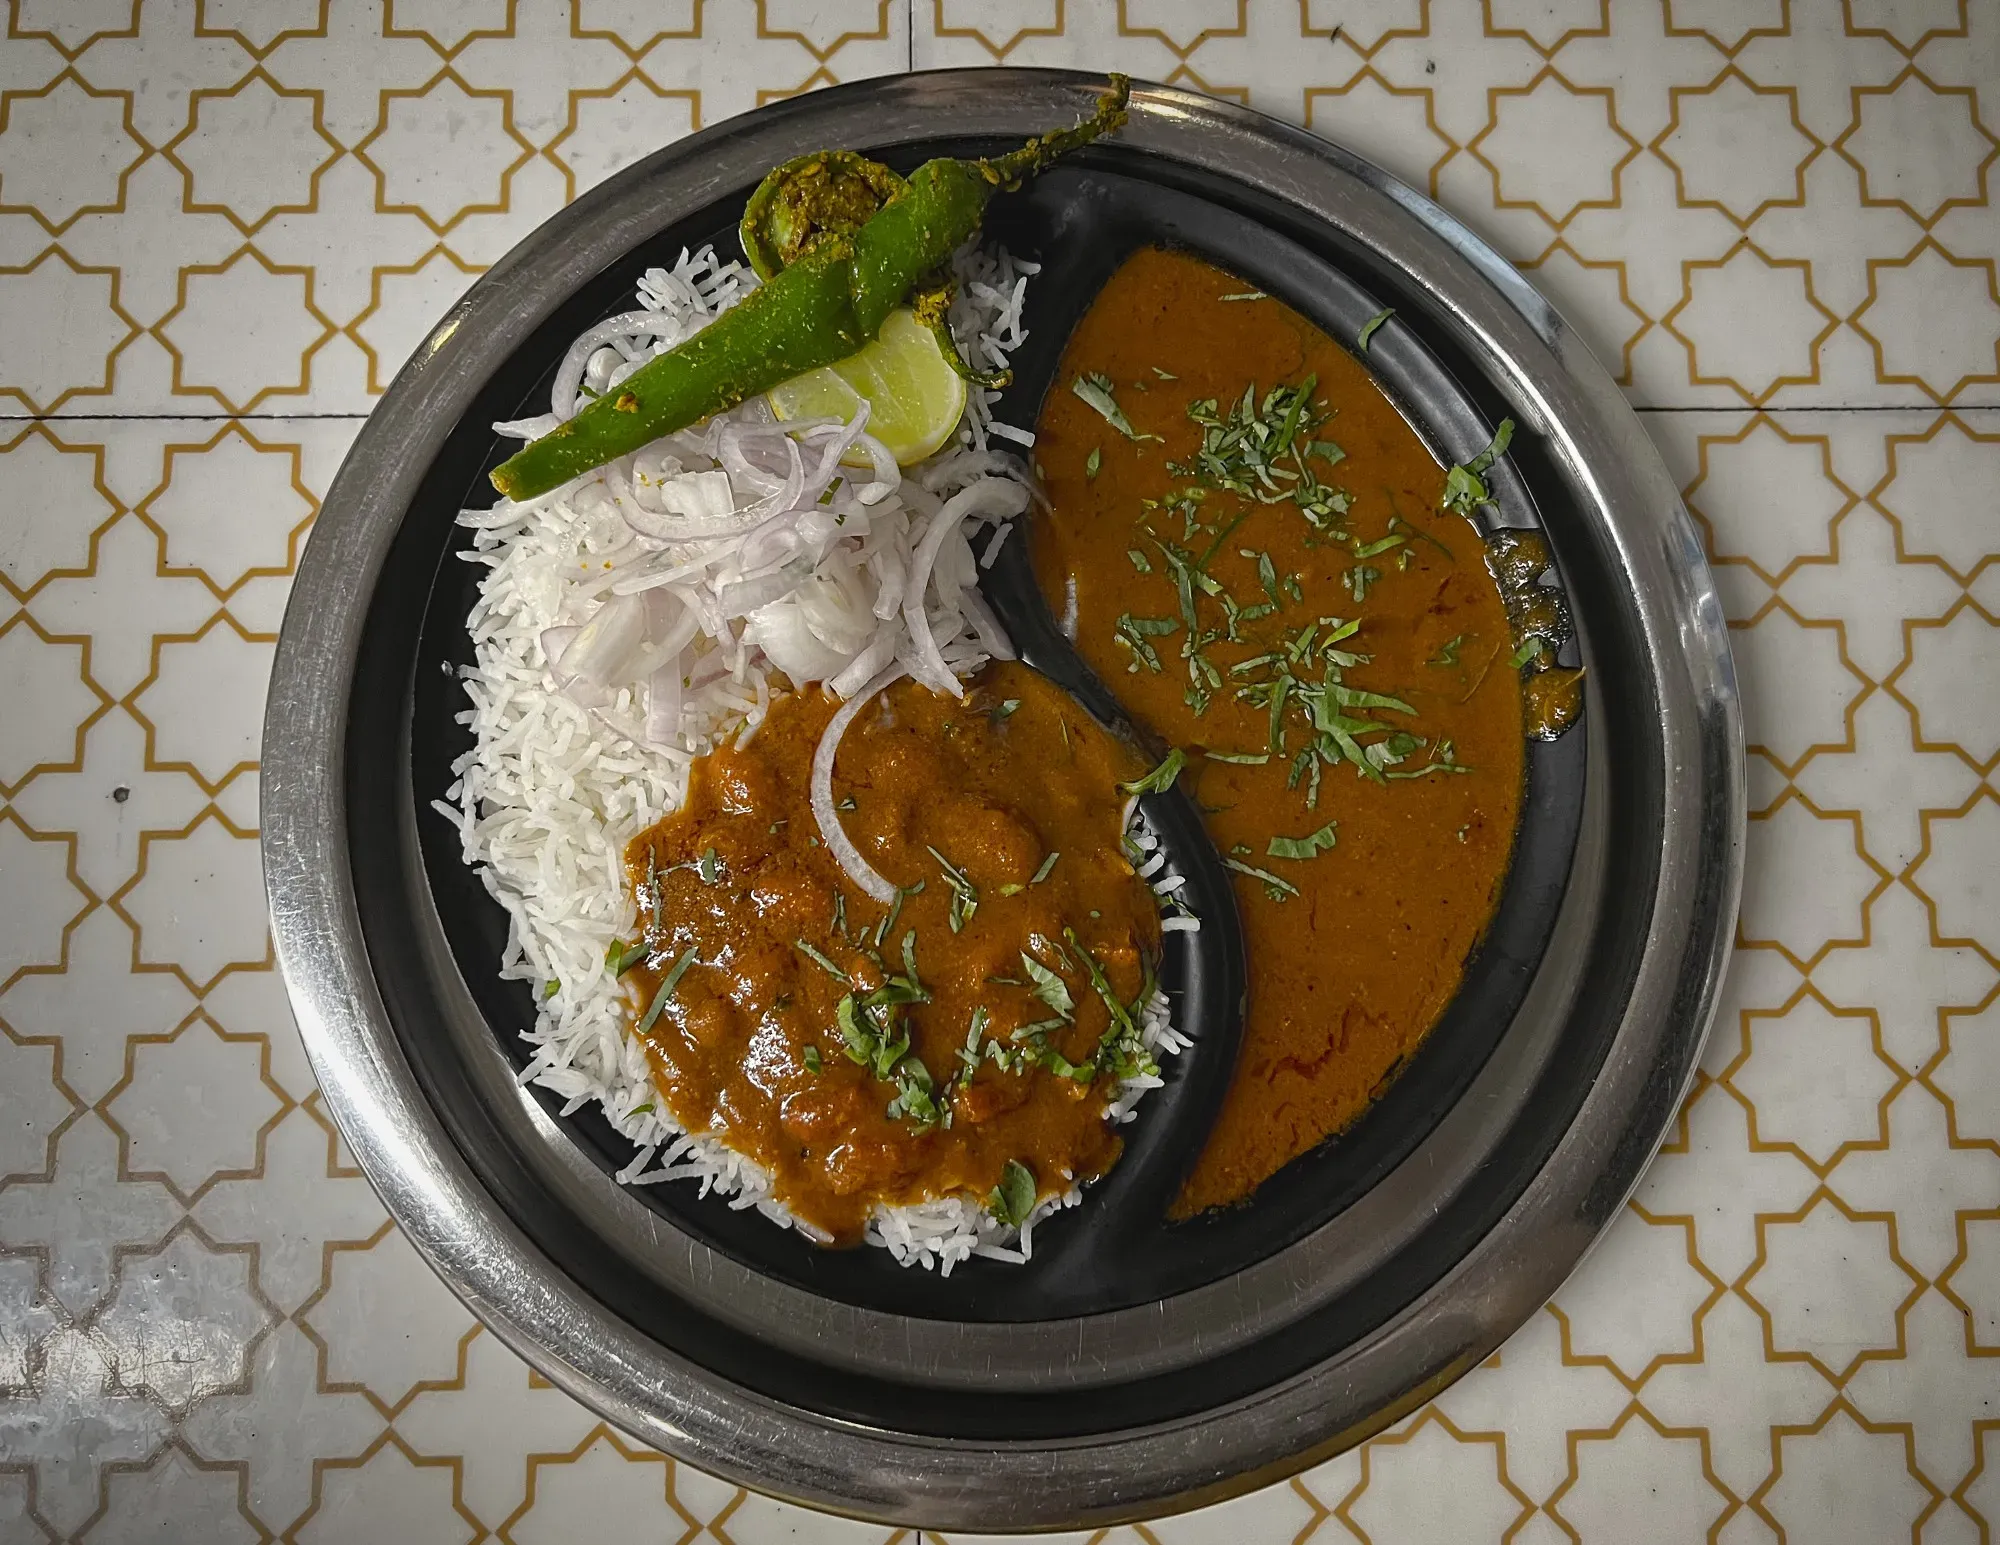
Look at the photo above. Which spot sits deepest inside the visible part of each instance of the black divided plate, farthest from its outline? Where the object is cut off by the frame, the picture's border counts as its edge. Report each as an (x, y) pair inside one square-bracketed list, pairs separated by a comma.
[(1115, 1249)]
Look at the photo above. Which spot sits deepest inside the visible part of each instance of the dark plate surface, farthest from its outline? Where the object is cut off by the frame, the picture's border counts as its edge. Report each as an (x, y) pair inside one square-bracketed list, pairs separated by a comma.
[(1116, 1249), (1131, 1362)]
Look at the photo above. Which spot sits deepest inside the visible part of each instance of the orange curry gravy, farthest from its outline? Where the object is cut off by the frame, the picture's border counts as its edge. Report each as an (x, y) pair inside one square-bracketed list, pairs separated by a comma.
[(1369, 888), (1015, 789)]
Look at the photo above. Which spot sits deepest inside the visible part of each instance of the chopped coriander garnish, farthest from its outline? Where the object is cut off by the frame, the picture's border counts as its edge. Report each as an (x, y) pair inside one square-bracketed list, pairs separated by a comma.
[(1531, 648), (1139, 560), (866, 1042), (1261, 450), (1372, 326), (621, 960), (1373, 549), (1095, 391), (1277, 888), (964, 894), (1014, 1198), (1048, 864), (968, 1054), (1418, 534), (916, 1096), (1092, 462), (707, 867), (640, 1109), (1267, 576), (668, 984), (1311, 845), (1161, 778), (1465, 487), (1443, 760), (819, 958), (1241, 758), (550, 989), (846, 803), (1359, 578), (1004, 710), (1447, 654), (1136, 634), (1121, 1050), (1049, 987), (895, 910), (812, 1060), (1394, 751), (1356, 697)]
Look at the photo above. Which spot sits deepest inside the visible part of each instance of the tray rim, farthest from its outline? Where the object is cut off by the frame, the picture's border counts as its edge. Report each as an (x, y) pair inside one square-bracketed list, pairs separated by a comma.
[(427, 1185)]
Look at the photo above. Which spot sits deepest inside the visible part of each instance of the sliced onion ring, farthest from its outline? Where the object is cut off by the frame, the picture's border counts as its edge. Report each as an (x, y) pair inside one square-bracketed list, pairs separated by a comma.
[(570, 373), (831, 832), (993, 496)]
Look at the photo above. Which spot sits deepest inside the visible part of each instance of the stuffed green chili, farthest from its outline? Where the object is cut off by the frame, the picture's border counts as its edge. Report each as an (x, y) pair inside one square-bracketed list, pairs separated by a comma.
[(824, 306)]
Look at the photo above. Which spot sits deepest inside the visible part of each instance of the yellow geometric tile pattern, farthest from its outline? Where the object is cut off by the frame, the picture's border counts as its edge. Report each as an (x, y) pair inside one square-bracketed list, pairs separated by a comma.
[(223, 225)]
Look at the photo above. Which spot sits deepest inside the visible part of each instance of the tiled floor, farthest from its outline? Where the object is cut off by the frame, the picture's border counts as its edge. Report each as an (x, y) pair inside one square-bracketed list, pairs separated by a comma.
[(222, 224)]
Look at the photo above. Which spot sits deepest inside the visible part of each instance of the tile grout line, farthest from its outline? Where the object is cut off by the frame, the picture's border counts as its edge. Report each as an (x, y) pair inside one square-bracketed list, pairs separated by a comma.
[(357, 418), (1839, 407), (181, 418)]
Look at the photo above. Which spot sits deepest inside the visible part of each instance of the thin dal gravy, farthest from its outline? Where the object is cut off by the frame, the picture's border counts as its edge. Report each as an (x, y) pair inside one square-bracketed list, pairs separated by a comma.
[(1362, 887)]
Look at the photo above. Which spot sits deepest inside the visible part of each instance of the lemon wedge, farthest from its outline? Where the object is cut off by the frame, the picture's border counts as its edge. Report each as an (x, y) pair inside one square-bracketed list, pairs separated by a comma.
[(915, 399)]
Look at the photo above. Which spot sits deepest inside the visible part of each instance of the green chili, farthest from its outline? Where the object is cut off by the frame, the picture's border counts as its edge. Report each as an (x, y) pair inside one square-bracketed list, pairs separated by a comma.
[(823, 307)]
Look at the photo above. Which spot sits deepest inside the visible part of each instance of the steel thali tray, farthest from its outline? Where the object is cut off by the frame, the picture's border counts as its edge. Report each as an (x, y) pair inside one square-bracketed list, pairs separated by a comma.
[(1175, 1367)]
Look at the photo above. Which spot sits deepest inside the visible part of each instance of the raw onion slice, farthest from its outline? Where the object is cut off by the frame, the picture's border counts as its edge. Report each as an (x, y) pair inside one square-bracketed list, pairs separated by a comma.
[(882, 467), (569, 374), (841, 439), (663, 706), (532, 428), (555, 640), (853, 675), (831, 832), (605, 642), (695, 506), (996, 496), (744, 596), (834, 603), (788, 642), (671, 623), (985, 624)]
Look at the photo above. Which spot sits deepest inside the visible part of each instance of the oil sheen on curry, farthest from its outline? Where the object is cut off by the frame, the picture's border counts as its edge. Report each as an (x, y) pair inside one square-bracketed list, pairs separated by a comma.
[(965, 1039), (1271, 571)]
